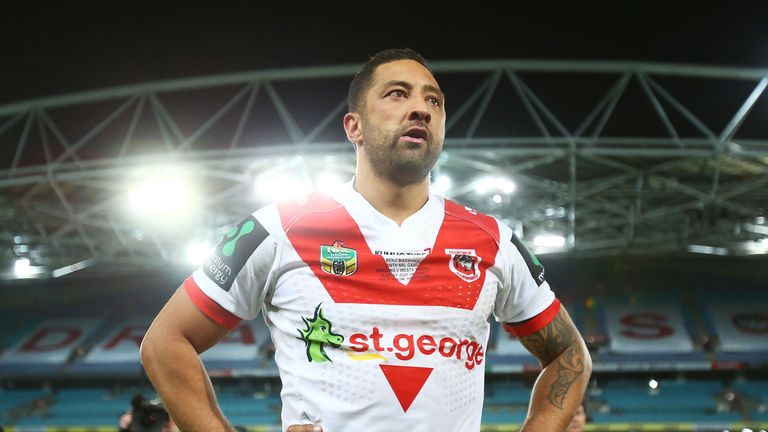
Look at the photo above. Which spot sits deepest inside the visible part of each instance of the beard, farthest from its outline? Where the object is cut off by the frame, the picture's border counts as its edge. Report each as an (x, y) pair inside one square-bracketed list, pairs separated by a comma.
[(400, 162)]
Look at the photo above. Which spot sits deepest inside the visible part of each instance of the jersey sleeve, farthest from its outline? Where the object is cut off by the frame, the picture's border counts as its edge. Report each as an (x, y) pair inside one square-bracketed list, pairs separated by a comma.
[(231, 285), (524, 302)]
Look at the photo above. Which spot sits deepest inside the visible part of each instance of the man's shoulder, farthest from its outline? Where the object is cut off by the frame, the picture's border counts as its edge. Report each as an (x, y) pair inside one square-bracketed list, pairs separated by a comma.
[(316, 202), (467, 213), (487, 223), (461, 210)]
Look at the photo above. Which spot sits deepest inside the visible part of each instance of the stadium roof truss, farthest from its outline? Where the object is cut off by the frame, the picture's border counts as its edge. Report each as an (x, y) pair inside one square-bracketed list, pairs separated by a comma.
[(613, 157)]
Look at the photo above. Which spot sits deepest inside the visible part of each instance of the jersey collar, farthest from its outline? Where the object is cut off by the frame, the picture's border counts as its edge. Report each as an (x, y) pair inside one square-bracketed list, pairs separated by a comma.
[(431, 212)]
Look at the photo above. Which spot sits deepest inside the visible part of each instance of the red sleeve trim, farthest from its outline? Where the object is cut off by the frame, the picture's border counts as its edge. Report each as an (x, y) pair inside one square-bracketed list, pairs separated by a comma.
[(536, 323), (210, 308)]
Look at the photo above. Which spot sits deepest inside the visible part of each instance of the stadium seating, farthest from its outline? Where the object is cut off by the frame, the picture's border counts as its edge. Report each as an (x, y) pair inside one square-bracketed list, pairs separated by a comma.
[(692, 385)]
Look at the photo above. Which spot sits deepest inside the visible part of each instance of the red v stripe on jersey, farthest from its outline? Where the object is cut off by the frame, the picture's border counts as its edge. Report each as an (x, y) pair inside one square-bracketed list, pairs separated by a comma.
[(323, 221), (406, 382)]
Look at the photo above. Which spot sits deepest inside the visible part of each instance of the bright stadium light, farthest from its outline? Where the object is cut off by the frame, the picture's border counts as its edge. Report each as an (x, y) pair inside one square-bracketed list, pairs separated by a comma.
[(63, 271), (755, 247), (282, 187), (442, 184), (653, 384), (197, 251), (549, 241), (497, 198), (483, 185), (160, 195), (327, 181), (505, 185), (554, 212), (500, 184), (22, 267), (757, 229), (708, 250)]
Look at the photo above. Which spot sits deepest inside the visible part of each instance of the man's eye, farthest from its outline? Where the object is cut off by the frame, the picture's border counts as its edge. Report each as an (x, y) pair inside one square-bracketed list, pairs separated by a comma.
[(434, 101), (397, 93)]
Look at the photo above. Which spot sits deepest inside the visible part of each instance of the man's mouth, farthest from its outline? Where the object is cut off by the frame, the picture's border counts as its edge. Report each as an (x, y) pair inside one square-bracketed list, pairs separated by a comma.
[(416, 135)]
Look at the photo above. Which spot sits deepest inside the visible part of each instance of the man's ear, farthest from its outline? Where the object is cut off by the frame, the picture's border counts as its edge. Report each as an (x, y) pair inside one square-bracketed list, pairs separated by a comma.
[(353, 128)]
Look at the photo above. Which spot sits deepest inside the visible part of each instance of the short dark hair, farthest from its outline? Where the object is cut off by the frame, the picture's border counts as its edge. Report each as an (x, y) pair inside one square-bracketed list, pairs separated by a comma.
[(362, 80), (148, 415)]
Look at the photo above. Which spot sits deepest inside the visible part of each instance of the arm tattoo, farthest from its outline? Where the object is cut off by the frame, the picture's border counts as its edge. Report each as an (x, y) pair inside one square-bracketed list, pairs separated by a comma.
[(558, 342), (570, 368)]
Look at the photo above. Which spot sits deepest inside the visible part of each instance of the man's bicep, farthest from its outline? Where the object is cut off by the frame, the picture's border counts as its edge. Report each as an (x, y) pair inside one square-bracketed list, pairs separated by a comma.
[(181, 317), (553, 339)]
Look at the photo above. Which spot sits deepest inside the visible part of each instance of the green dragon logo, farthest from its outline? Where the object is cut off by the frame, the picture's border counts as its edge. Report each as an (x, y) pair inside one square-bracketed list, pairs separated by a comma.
[(317, 334)]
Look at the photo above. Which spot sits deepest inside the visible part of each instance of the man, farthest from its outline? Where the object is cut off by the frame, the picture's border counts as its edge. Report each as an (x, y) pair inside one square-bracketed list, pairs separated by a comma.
[(377, 296), (579, 419), (146, 416)]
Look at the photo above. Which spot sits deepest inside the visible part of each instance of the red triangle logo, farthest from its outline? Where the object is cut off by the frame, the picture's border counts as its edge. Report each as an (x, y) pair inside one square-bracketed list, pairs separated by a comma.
[(406, 382)]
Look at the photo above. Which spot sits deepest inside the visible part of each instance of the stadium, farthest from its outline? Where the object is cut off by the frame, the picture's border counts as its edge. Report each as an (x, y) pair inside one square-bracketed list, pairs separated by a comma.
[(639, 185)]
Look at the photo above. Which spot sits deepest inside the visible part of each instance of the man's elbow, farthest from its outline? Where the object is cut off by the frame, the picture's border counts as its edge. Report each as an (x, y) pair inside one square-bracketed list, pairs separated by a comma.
[(148, 351), (587, 366), (587, 361)]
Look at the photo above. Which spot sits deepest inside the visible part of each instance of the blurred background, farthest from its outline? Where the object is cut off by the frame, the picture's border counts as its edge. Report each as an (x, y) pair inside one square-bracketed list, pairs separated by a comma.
[(626, 145)]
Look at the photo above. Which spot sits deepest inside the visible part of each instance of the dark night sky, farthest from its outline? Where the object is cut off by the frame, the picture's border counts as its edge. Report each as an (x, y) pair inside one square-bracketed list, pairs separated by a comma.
[(56, 47), (60, 47)]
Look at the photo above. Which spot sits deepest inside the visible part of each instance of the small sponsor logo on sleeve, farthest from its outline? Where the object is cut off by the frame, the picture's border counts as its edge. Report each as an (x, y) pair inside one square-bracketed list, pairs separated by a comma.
[(534, 266), (233, 251)]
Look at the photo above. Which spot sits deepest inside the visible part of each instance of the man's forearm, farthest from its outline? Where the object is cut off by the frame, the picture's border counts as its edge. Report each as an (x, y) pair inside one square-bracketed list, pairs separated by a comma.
[(564, 378), (559, 390), (175, 370)]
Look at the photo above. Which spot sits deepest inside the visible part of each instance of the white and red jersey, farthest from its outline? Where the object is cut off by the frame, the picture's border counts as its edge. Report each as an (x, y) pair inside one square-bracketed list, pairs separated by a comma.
[(375, 326)]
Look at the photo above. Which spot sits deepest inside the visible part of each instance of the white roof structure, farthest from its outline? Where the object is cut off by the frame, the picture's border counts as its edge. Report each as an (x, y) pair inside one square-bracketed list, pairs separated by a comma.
[(610, 157)]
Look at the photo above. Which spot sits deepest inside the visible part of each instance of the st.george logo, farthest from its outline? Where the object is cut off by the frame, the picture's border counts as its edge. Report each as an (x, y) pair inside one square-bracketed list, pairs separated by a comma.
[(464, 263), (338, 260)]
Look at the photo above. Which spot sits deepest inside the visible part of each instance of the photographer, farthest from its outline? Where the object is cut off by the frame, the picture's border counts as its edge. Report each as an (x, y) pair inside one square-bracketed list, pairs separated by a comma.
[(580, 418), (146, 416)]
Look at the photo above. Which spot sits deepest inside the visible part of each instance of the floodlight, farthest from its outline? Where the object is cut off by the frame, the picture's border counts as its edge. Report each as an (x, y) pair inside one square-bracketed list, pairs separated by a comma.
[(549, 240), (500, 184), (159, 195), (197, 251), (327, 181), (23, 268), (442, 184), (282, 187)]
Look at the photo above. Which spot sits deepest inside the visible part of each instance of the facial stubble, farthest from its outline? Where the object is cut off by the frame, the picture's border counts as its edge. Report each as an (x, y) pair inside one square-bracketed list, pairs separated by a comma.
[(401, 163)]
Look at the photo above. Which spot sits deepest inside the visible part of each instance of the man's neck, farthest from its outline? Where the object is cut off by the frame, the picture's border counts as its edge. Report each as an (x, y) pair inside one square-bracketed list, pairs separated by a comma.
[(393, 201)]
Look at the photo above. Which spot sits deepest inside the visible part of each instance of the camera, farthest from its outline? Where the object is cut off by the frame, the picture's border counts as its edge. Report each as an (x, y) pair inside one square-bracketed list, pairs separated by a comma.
[(148, 416)]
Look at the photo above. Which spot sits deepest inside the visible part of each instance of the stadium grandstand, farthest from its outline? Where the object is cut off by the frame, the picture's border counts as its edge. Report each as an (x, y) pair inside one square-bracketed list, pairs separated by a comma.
[(641, 187)]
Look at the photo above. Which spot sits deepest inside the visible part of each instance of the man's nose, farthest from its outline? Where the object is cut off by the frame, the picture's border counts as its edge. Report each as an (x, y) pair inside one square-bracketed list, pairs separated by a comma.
[(420, 112)]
